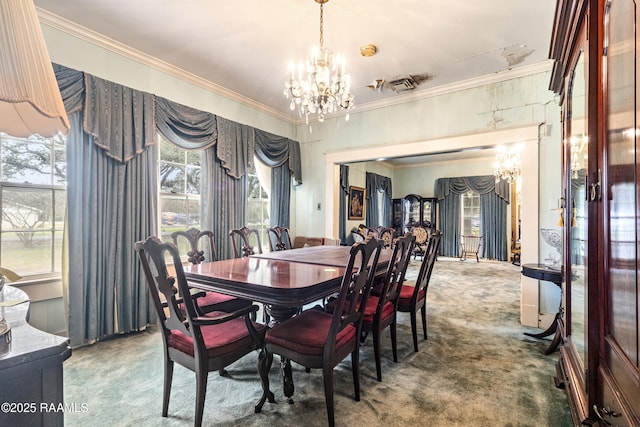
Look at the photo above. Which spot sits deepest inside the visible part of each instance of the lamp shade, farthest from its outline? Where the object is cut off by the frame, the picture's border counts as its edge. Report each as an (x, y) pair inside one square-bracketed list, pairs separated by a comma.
[(30, 101)]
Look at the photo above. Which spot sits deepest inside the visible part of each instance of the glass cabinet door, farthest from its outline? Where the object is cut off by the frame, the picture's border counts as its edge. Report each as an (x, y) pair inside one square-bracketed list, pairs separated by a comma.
[(429, 213), (412, 213), (577, 145)]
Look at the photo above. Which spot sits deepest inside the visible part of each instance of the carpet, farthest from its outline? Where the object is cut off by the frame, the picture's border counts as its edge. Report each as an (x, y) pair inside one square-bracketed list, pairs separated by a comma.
[(476, 369)]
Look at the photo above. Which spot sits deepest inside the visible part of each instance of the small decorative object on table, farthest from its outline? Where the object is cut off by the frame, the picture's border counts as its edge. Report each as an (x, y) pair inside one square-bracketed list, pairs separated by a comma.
[(554, 239), (5, 328)]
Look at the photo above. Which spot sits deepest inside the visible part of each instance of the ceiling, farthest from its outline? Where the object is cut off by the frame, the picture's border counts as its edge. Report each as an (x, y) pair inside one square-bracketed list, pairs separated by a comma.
[(244, 47)]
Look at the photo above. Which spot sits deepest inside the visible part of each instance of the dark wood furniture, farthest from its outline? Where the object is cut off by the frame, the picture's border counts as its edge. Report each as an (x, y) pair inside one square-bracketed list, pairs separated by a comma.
[(283, 281), (414, 210), (31, 377), (192, 237), (279, 239), (595, 74), (327, 255), (386, 234), (317, 339), (245, 241), (414, 298), (422, 237), (208, 301), (199, 343), (553, 275), (380, 310), (283, 286)]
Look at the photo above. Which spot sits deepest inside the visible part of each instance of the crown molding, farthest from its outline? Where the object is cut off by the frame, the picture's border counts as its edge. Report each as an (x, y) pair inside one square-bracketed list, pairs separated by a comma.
[(59, 23)]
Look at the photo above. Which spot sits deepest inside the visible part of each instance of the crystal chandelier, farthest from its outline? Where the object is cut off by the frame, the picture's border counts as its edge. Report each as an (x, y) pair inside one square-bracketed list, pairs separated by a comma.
[(320, 84), (507, 165)]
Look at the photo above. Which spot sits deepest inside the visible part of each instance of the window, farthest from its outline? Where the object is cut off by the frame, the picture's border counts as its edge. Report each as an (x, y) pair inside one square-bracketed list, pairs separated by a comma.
[(257, 206), (32, 201), (470, 217), (179, 190)]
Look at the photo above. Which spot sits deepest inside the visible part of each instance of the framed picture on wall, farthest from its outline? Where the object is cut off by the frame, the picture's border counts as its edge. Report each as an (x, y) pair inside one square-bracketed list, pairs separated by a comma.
[(356, 203)]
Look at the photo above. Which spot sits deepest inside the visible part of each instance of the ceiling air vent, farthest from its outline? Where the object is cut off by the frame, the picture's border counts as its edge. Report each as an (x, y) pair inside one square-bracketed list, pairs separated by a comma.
[(403, 84)]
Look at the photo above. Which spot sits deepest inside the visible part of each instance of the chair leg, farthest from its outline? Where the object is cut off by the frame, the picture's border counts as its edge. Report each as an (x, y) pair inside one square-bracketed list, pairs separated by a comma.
[(423, 312), (328, 394), (394, 346), (265, 359), (355, 370), (376, 353), (414, 330), (168, 377), (201, 391)]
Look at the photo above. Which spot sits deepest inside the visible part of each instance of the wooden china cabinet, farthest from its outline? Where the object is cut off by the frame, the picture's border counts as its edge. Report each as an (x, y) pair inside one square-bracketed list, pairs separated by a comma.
[(596, 74), (414, 210)]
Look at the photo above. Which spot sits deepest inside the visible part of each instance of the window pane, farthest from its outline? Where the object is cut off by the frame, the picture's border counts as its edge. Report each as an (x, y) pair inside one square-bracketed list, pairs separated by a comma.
[(170, 152), (193, 180), (60, 207), (193, 157), (193, 213), (471, 214), (24, 161), (32, 218), (60, 165), (172, 178)]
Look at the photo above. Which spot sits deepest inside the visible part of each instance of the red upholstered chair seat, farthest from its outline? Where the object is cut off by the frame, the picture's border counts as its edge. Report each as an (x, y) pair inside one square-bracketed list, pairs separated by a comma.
[(406, 293), (372, 305), (218, 339), (307, 333)]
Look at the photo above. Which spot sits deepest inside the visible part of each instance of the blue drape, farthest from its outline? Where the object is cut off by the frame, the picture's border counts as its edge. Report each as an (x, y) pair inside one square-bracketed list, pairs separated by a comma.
[(493, 213), (111, 203), (283, 156), (344, 198), (112, 193), (376, 183)]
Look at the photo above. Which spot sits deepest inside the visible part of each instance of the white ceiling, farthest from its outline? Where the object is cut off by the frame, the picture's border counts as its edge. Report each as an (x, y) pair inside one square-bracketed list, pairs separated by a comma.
[(246, 46)]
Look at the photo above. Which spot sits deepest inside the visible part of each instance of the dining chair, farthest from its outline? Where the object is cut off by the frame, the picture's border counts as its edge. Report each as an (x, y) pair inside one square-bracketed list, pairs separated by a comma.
[(422, 236), (385, 234), (207, 301), (380, 309), (317, 339), (470, 245), (199, 342), (245, 241), (414, 298), (279, 239)]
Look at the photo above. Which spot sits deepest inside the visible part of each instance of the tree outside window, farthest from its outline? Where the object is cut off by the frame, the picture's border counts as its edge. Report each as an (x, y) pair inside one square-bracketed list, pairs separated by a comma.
[(32, 203), (179, 190)]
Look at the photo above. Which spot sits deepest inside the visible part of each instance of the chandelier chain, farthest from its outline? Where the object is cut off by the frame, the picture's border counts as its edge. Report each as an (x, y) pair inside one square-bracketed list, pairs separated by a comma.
[(321, 26)]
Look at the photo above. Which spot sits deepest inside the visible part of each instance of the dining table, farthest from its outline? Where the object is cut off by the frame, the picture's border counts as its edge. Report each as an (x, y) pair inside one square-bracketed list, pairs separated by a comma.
[(283, 281)]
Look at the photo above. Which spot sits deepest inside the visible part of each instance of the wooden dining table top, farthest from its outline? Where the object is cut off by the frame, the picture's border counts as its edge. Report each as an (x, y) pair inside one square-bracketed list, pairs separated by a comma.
[(288, 278), (276, 282), (330, 255)]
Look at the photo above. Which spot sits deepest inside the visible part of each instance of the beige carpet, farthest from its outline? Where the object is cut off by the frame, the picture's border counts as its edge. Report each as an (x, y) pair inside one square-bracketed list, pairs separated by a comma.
[(476, 369)]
